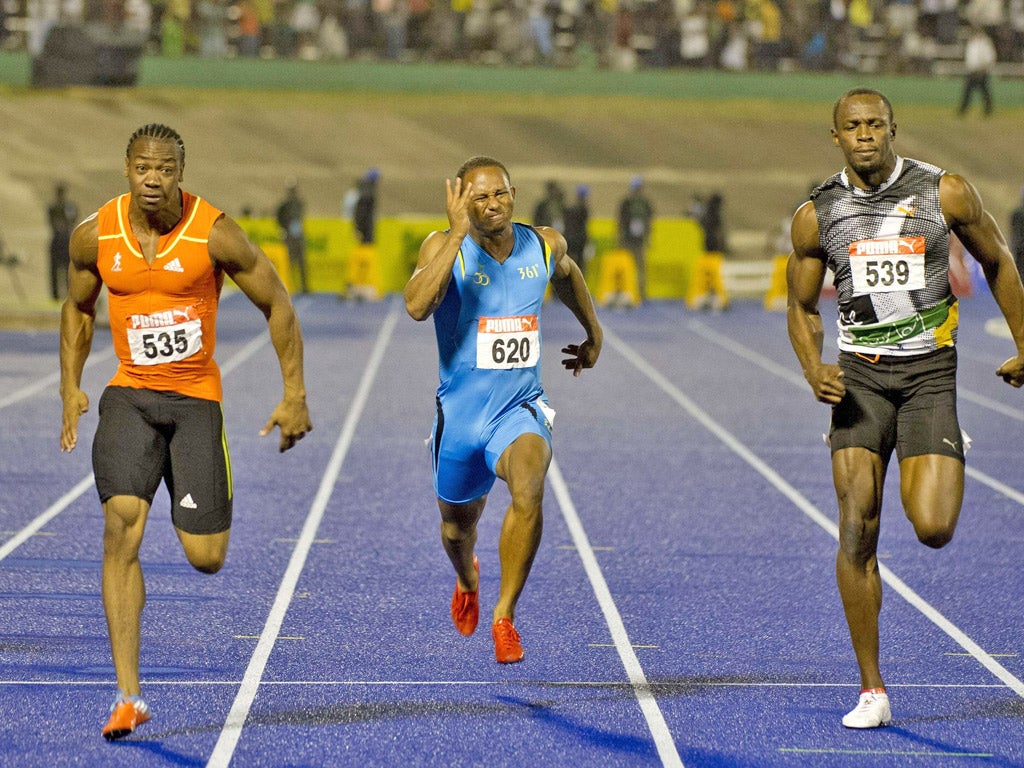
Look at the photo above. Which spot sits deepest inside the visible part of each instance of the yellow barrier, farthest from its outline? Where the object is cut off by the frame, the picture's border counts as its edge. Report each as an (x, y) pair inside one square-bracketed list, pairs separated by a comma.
[(331, 250), (617, 281), (707, 285), (363, 283), (278, 255), (778, 294)]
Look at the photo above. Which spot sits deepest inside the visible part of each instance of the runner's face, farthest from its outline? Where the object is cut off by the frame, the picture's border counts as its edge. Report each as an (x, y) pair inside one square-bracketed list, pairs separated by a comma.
[(864, 131), (154, 169), (490, 206)]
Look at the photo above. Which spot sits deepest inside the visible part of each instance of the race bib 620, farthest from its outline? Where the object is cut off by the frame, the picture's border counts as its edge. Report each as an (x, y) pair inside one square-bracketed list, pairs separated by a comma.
[(508, 342)]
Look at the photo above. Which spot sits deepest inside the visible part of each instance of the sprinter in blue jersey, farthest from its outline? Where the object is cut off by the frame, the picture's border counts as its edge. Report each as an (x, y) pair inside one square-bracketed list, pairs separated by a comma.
[(484, 280)]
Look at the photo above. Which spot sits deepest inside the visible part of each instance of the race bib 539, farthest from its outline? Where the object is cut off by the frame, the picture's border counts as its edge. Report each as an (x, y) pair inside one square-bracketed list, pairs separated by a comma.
[(165, 337), (887, 264), (508, 342)]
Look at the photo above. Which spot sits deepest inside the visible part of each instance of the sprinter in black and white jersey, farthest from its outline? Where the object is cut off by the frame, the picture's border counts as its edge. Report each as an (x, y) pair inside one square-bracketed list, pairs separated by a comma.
[(882, 226)]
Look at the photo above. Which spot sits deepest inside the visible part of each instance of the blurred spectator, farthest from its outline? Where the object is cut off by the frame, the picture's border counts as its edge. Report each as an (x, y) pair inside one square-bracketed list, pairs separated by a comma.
[(364, 212), (331, 38), (172, 27), (595, 30), (820, 35), (250, 29), (540, 24), (459, 11), (694, 43), (357, 19), (940, 20), (1015, 30), (138, 16), (979, 59), (393, 16), (900, 17), (711, 223), (213, 33), (577, 219), (291, 217), (636, 215), (62, 215), (734, 51), (305, 21), (769, 47), (418, 30), (348, 202), (550, 210)]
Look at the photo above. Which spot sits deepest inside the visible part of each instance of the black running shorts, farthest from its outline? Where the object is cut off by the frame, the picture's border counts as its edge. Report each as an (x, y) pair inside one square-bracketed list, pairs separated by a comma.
[(145, 436), (902, 403)]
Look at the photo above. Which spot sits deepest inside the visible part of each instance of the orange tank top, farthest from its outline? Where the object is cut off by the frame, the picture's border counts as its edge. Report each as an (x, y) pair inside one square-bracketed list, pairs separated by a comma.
[(163, 316)]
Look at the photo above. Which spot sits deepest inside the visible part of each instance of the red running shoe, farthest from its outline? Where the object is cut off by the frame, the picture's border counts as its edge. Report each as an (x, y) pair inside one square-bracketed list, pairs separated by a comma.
[(466, 605), (507, 648), (126, 714)]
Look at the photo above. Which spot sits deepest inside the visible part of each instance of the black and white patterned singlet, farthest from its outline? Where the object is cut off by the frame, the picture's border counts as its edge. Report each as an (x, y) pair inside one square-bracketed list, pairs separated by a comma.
[(889, 250)]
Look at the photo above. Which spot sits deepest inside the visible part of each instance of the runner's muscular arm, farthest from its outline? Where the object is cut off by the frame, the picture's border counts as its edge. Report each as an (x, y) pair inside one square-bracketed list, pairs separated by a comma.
[(232, 251), (978, 231), (571, 287), (429, 282), (77, 320), (805, 274)]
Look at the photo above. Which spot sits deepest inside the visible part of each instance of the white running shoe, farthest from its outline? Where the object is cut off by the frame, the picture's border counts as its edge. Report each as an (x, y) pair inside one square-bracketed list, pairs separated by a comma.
[(872, 711)]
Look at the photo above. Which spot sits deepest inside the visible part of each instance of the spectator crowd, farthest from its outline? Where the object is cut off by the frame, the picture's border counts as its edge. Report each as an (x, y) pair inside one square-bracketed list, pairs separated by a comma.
[(866, 35)]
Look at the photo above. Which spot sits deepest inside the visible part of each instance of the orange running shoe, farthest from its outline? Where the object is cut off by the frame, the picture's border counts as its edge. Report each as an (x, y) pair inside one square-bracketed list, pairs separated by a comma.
[(466, 605), (126, 714), (507, 648)]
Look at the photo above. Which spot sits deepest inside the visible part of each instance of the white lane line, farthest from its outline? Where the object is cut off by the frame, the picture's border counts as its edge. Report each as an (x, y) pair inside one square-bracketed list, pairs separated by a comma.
[(1011, 493), (687, 685), (793, 378), (746, 353), (232, 730), (992, 405), (813, 512), (50, 380), (55, 509), (648, 704)]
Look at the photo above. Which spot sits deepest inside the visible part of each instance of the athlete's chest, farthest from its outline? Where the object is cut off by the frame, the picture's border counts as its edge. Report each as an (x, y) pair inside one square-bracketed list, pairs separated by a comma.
[(181, 270), (522, 277)]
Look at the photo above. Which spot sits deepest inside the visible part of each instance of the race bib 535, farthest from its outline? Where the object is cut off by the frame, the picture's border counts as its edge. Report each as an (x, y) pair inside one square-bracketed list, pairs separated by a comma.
[(165, 337)]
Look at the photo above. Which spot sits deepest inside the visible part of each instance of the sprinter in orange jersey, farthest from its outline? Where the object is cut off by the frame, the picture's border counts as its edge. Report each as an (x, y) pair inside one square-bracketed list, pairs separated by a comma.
[(163, 254)]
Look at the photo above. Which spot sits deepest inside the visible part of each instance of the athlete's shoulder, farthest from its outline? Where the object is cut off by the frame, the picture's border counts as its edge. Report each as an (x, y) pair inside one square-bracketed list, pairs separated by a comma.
[(85, 239), (199, 211), (910, 164)]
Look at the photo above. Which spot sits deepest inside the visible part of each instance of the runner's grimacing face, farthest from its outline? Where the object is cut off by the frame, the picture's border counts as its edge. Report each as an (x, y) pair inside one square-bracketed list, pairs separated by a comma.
[(154, 170)]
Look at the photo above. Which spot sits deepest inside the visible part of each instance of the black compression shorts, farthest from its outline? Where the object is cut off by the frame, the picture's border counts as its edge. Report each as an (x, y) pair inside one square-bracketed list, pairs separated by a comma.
[(902, 403), (145, 436)]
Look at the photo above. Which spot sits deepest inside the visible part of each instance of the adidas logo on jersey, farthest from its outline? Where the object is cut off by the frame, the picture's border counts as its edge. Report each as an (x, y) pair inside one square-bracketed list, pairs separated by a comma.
[(174, 266), (188, 503)]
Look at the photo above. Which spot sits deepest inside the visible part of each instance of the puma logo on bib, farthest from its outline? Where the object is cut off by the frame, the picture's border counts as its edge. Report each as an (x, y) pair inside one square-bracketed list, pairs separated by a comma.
[(887, 264), (508, 342), (165, 337)]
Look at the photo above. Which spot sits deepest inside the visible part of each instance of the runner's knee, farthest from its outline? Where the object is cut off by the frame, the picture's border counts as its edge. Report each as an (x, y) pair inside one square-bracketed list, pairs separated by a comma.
[(205, 553), (935, 534)]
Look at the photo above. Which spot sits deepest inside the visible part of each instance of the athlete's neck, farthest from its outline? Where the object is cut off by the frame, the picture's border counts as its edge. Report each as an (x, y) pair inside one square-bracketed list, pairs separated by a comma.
[(496, 245)]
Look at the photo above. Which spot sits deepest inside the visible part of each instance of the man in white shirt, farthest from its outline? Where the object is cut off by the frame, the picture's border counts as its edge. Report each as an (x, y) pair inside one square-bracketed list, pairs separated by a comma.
[(979, 59)]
